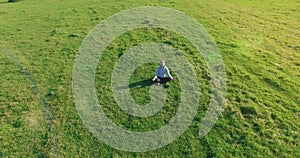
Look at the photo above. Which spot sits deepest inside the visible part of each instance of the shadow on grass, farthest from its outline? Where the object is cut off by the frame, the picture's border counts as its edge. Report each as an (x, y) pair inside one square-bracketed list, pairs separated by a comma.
[(142, 83), (145, 83), (138, 84)]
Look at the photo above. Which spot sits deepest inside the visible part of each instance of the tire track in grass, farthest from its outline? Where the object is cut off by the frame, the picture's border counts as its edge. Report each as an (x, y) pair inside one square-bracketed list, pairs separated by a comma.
[(43, 103)]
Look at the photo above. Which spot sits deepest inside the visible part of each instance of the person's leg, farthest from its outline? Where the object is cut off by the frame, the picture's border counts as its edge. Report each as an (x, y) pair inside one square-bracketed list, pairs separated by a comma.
[(168, 79), (165, 80), (157, 80)]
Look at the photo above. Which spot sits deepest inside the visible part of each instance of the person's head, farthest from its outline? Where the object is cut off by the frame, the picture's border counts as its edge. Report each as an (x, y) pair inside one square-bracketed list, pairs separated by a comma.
[(162, 63)]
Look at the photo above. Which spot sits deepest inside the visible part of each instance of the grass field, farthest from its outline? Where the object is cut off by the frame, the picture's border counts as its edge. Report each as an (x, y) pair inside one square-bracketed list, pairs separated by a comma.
[(259, 42)]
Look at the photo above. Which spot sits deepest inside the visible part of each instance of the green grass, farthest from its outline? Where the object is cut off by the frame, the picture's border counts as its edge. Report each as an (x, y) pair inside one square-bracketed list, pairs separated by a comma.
[(259, 42)]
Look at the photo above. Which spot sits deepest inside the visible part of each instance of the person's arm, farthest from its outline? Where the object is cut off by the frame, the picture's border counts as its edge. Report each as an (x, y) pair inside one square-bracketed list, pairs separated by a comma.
[(156, 74), (168, 73), (155, 77)]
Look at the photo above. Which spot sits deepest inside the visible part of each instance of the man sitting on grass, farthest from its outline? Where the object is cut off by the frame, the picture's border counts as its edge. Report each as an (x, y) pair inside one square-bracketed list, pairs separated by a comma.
[(160, 73)]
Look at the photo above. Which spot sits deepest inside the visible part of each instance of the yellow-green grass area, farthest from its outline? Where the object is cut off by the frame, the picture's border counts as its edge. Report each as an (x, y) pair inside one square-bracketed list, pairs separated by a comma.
[(259, 43)]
